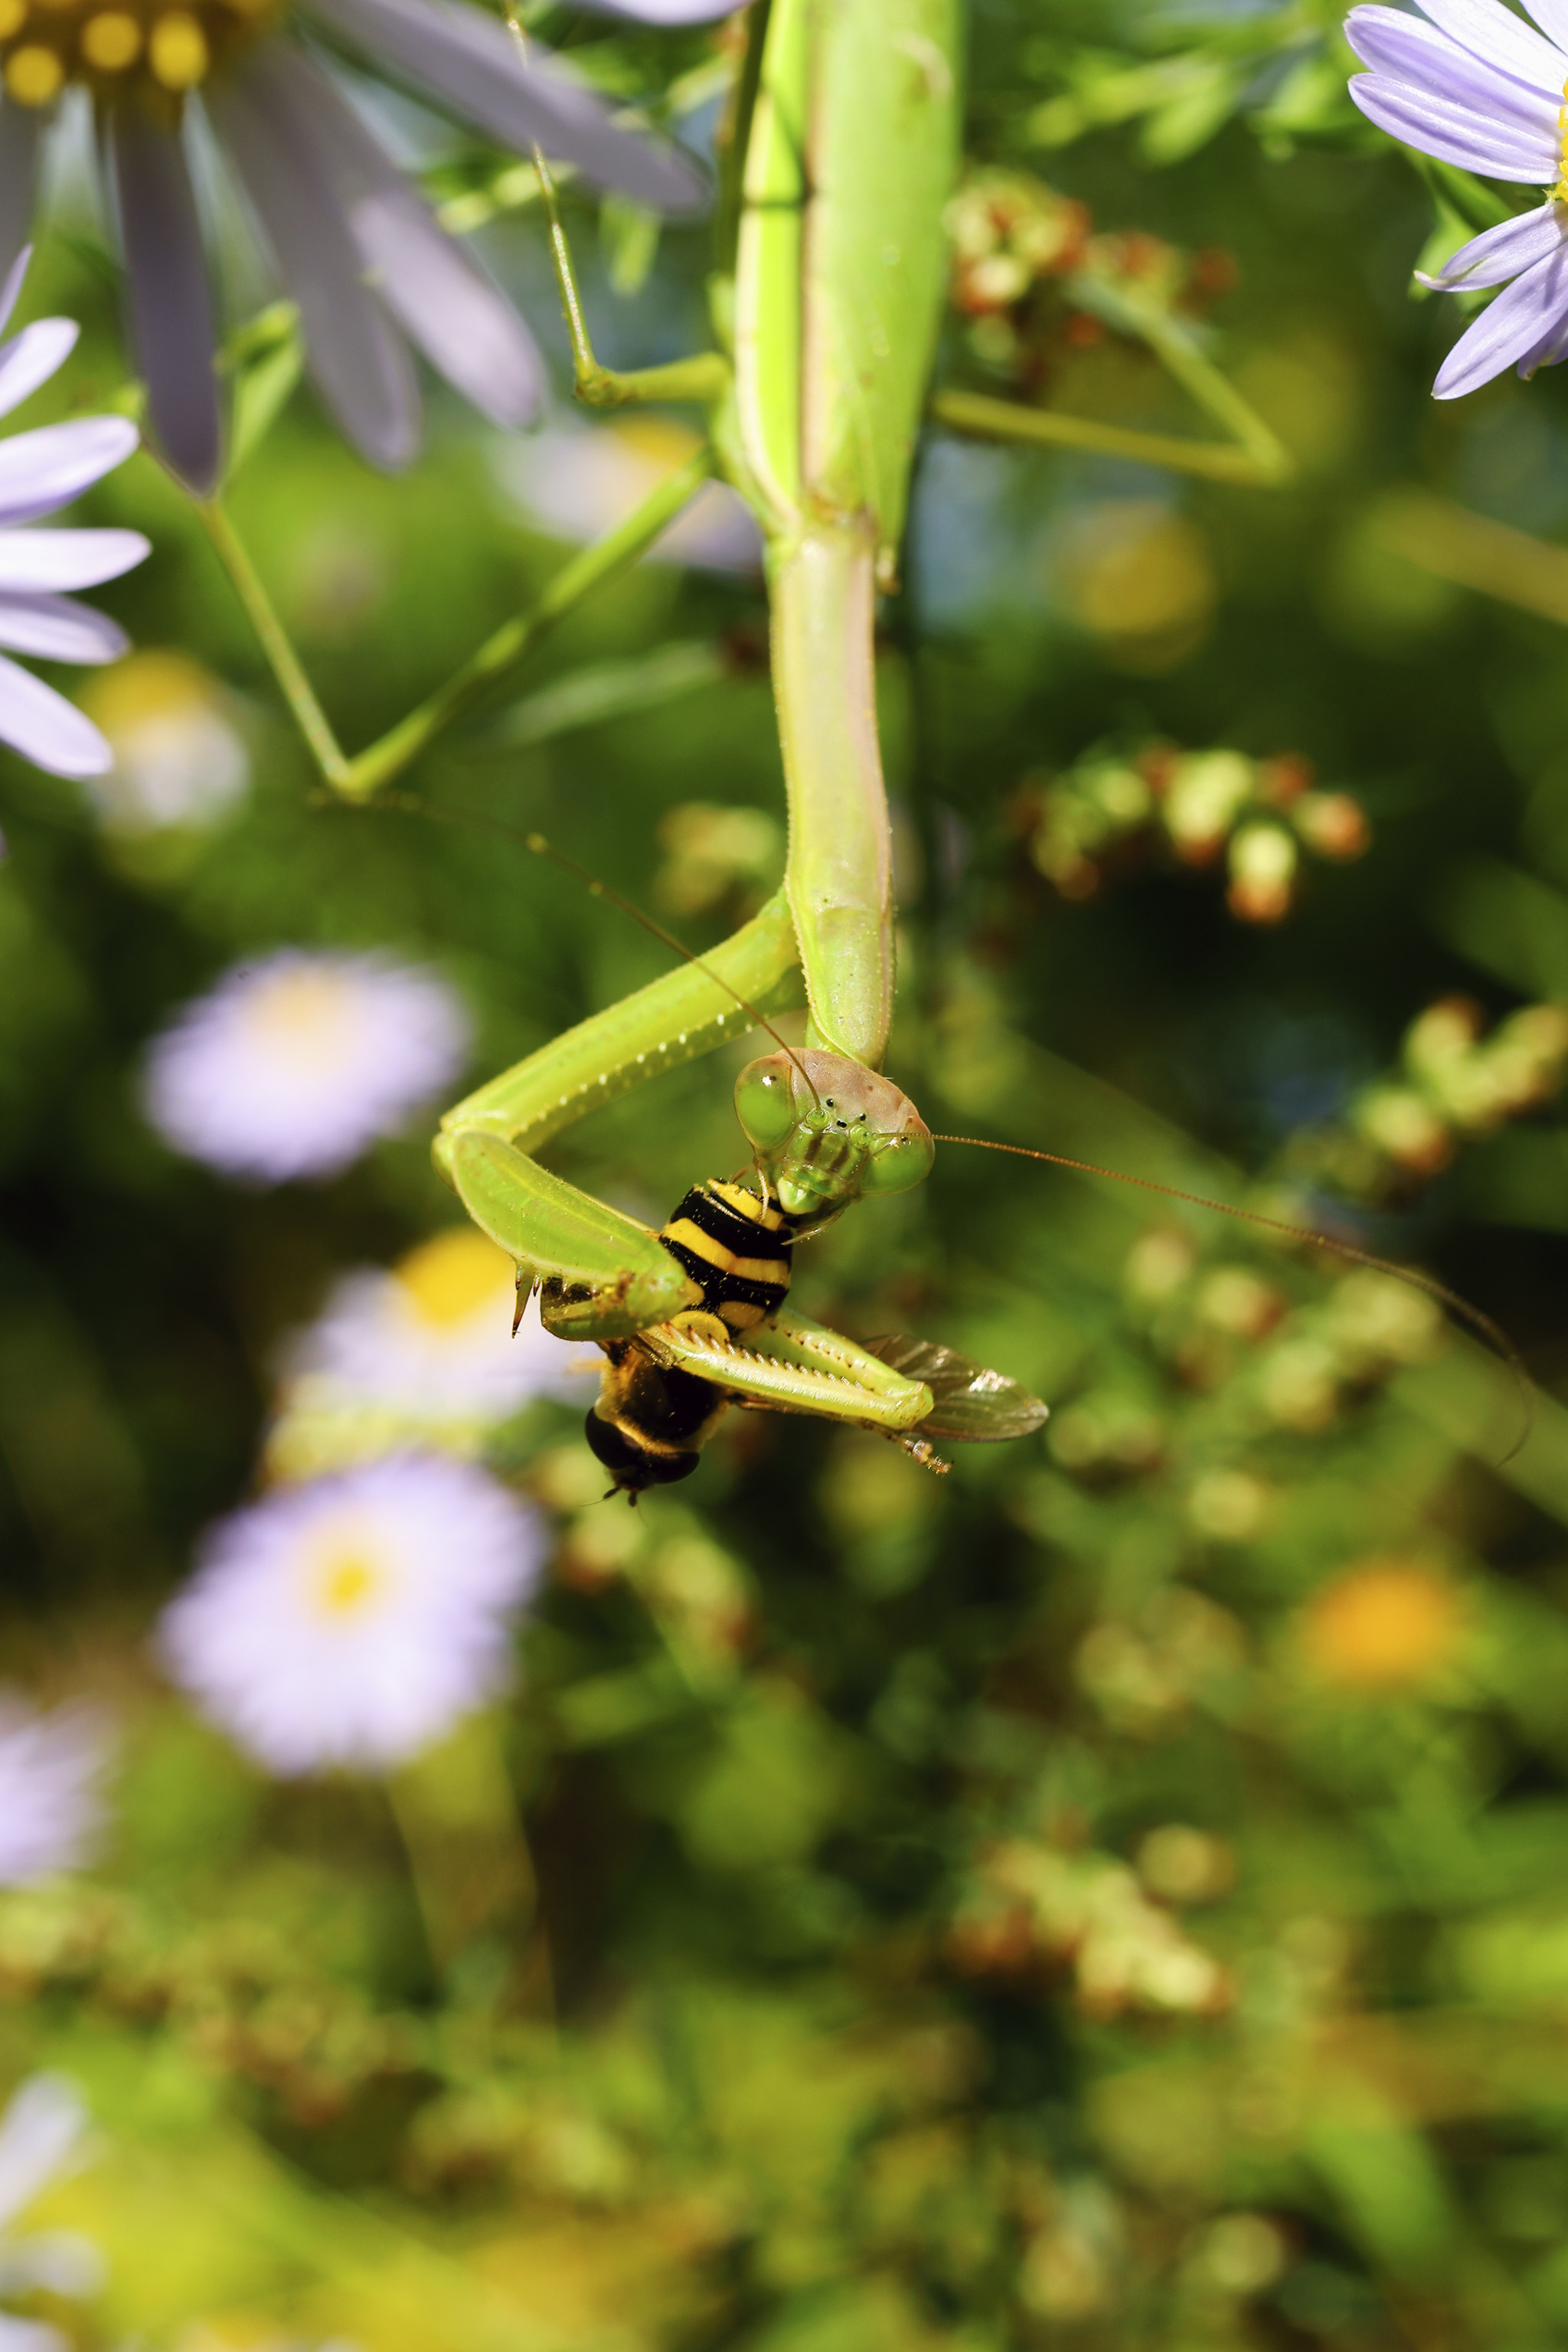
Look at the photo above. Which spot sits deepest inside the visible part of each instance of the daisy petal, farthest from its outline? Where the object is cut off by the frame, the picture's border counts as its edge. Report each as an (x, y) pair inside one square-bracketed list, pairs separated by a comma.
[(1547, 353), (42, 470), (472, 63), (67, 559), (20, 127), (53, 628), (30, 359), (357, 359), (663, 12), (1495, 33), (428, 283), (1451, 133), (1500, 253), (12, 288), (171, 306), (47, 729), (1523, 316), (1551, 16), (45, 2121), (1421, 58)]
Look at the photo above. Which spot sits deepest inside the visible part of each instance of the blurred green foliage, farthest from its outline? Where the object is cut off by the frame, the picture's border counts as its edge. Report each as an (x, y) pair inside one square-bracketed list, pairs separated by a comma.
[(1114, 1895)]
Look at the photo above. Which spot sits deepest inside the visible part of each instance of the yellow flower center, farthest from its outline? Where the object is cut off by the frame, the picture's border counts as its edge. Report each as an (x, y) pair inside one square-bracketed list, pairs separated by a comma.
[(164, 50), (449, 1278), (155, 683), (304, 1018), (345, 1583)]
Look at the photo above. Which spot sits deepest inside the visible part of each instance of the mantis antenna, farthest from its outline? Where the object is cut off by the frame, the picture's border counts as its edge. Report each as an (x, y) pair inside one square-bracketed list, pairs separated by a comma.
[(407, 805), (478, 820), (1476, 1316)]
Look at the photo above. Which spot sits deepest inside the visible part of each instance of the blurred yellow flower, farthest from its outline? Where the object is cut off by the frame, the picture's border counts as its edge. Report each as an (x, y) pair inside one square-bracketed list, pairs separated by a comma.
[(1139, 578), (1385, 1625)]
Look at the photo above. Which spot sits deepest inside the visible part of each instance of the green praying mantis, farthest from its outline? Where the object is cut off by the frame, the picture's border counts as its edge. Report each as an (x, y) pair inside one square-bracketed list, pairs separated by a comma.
[(842, 152)]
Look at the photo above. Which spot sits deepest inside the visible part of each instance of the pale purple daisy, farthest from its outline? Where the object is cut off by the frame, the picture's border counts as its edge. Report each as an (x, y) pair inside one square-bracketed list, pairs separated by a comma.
[(577, 481), (43, 2135), (40, 472), (353, 242), (50, 1805), (1475, 86), (293, 1066), (432, 1337), (354, 1620)]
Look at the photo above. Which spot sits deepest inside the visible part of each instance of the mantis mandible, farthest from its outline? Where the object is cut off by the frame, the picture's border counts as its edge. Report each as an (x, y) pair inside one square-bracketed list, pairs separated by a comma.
[(826, 300)]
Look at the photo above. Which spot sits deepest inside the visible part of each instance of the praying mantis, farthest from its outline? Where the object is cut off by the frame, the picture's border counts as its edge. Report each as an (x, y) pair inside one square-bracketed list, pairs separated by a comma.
[(827, 299)]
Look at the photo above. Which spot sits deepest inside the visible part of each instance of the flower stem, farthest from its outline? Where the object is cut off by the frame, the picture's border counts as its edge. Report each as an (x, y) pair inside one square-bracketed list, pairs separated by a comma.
[(619, 549), (469, 1858), (287, 667)]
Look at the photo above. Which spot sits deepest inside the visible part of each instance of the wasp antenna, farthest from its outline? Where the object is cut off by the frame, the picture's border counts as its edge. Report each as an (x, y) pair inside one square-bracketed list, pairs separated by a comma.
[(1476, 1316), (478, 820)]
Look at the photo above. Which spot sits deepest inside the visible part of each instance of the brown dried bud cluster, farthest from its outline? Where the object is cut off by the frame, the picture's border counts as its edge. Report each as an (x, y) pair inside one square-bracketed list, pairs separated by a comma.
[(1256, 815), (1032, 1912), (1453, 1083), (1032, 279)]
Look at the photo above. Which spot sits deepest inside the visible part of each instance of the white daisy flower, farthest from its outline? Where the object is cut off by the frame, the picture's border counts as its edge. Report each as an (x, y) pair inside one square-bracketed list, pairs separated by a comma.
[(293, 1066), (178, 759), (42, 2133), (51, 1808), (579, 481), (434, 1335), (352, 1620), (40, 472)]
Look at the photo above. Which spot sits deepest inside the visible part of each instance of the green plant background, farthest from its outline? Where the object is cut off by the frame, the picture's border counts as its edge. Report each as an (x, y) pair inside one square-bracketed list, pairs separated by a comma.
[(762, 2068)]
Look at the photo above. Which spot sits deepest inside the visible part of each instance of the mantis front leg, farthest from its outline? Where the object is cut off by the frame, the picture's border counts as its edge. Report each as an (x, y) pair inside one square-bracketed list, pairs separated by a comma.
[(610, 1277)]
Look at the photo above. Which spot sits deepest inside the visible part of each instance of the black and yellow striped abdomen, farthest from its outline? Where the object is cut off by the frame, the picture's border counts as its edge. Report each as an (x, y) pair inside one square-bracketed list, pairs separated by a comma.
[(737, 1247)]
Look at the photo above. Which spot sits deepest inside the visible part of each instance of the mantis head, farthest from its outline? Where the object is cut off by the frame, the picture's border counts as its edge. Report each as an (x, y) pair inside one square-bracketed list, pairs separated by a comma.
[(826, 1131)]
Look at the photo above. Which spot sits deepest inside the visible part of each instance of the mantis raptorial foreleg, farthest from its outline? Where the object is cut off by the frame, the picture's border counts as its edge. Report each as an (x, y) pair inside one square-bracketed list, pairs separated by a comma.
[(552, 1230), (792, 1365)]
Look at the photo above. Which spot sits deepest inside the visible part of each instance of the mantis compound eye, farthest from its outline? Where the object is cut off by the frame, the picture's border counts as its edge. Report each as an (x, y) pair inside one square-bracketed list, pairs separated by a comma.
[(905, 1162), (764, 1102)]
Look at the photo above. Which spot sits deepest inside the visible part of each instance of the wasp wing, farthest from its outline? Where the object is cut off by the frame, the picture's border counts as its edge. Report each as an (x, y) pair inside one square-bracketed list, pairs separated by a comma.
[(971, 1403)]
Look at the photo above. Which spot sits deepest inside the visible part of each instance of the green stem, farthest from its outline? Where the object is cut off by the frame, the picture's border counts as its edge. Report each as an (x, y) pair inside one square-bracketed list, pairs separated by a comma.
[(605, 561), (467, 1853), (287, 668)]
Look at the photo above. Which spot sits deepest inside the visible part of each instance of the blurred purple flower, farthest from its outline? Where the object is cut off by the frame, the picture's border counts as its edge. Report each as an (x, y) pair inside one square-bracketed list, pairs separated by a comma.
[(43, 2138), (39, 472), (51, 1808), (1476, 86), (355, 245), (355, 1620), (292, 1065)]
